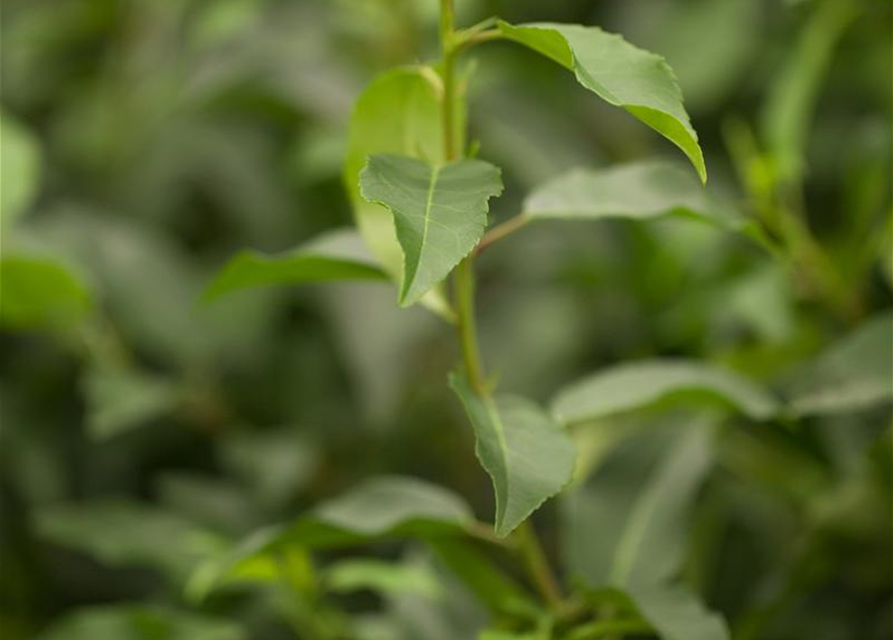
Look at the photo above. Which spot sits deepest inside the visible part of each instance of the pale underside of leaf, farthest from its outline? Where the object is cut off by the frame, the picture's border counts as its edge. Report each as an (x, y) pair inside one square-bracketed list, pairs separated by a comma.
[(676, 614), (635, 385), (621, 74), (528, 457), (338, 255), (440, 213)]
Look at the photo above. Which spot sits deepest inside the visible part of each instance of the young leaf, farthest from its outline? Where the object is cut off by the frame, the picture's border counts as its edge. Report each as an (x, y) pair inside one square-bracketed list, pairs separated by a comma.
[(399, 112), (137, 622), (338, 255), (637, 502), (20, 160), (384, 507), (121, 399), (639, 191), (528, 457), (621, 74), (40, 294), (676, 614), (635, 385), (355, 574), (440, 213), (856, 373)]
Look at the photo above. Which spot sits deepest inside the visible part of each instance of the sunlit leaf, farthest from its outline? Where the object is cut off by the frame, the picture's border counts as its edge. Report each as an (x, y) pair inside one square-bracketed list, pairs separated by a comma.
[(440, 213), (638, 502), (676, 614), (621, 74), (339, 255), (381, 576), (528, 457), (19, 169), (637, 191), (38, 293), (136, 622), (635, 385), (853, 374)]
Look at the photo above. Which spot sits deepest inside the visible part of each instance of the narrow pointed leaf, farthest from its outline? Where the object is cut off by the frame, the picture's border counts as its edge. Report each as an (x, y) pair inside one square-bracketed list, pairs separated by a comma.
[(623, 75), (676, 614), (638, 191), (636, 385), (638, 503), (139, 622), (440, 213), (339, 255), (528, 457), (855, 373)]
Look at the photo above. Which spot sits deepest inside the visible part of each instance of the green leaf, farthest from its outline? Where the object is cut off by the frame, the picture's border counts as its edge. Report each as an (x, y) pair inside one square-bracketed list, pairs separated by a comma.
[(621, 74), (122, 533), (19, 169), (338, 255), (135, 622), (119, 400), (440, 213), (356, 574), (384, 507), (855, 373), (399, 112), (676, 614), (638, 191), (787, 112), (528, 457), (38, 293), (635, 385), (638, 503)]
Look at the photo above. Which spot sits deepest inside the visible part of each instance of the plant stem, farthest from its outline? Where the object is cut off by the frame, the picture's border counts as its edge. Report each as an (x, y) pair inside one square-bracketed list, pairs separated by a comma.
[(502, 230), (538, 565), (447, 21), (471, 358)]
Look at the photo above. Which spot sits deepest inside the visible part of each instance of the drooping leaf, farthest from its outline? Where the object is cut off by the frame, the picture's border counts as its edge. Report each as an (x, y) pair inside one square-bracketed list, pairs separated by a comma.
[(120, 399), (39, 293), (635, 385), (19, 169), (637, 502), (339, 255), (137, 622), (121, 533), (638, 191), (384, 507), (621, 74), (676, 614), (399, 112), (440, 213), (528, 457), (853, 374)]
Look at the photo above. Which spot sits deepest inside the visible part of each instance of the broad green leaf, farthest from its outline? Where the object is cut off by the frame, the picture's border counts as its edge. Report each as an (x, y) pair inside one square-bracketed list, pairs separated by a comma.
[(635, 385), (676, 614), (37, 293), (19, 169), (621, 74), (120, 399), (384, 507), (138, 622), (339, 255), (440, 212), (855, 373), (787, 113), (528, 457), (638, 191), (356, 574), (399, 112), (122, 533), (638, 503)]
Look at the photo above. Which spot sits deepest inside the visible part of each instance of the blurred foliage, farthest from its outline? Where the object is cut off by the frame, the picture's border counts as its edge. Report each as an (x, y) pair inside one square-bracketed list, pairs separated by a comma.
[(145, 434)]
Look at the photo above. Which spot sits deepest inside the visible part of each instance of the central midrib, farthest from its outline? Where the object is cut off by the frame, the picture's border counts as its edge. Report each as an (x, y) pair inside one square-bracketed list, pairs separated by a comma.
[(435, 173), (496, 420)]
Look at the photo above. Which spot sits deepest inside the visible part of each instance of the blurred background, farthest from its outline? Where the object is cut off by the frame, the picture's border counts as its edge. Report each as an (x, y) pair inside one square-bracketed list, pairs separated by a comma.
[(144, 142)]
